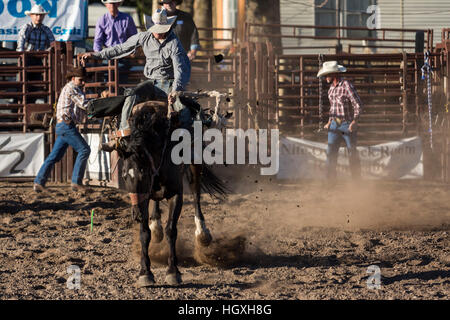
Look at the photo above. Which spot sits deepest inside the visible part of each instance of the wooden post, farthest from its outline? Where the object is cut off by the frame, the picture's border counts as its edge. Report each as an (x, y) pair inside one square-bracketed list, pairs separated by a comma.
[(302, 99), (271, 85), (405, 93), (116, 77), (23, 74)]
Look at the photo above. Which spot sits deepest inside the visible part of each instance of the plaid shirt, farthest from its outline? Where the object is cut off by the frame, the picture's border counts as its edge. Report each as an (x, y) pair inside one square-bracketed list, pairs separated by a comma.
[(72, 104), (34, 38), (341, 96)]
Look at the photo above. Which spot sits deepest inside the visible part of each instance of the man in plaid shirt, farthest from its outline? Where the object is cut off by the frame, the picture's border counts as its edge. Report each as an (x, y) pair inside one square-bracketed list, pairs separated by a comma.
[(342, 123), (70, 110), (35, 36)]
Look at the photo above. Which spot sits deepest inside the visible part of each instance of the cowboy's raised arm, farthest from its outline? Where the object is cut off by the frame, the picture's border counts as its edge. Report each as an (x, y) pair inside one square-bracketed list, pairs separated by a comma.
[(119, 51), (181, 67)]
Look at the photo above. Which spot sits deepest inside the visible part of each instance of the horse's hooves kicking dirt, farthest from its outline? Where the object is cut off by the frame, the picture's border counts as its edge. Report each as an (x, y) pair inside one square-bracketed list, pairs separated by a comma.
[(145, 281), (173, 279), (222, 252), (204, 239)]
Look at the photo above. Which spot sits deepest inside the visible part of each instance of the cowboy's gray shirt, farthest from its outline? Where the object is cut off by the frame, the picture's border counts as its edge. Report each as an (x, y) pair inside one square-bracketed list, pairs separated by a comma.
[(164, 61)]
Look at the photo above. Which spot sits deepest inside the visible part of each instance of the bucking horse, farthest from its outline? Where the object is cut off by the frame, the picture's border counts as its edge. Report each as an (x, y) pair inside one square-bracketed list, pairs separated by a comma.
[(150, 175)]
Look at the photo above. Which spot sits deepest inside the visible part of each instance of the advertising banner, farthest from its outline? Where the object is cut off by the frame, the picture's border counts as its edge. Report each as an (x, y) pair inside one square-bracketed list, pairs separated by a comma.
[(98, 165), (66, 18), (21, 154), (304, 159)]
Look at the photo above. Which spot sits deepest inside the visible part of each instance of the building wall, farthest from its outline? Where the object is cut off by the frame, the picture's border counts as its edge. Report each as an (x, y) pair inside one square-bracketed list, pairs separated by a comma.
[(416, 14)]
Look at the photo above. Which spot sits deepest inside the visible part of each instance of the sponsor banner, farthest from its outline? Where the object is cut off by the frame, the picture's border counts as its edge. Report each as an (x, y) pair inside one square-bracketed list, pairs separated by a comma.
[(98, 166), (21, 154), (304, 159), (66, 18)]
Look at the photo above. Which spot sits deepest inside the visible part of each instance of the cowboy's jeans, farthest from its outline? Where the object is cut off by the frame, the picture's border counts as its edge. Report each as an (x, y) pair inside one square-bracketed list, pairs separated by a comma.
[(68, 135), (337, 133), (150, 90)]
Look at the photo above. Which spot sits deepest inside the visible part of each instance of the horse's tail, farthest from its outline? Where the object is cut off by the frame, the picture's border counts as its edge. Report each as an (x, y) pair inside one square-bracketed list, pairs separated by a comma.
[(210, 183)]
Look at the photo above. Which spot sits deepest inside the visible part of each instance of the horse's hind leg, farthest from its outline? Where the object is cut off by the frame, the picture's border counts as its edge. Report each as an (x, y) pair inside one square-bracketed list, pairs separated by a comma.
[(175, 203), (146, 277), (202, 234), (155, 222)]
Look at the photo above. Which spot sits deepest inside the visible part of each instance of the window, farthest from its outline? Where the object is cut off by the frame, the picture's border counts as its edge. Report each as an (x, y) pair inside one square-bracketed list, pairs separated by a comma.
[(352, 13), (356, 16), (325, 16)]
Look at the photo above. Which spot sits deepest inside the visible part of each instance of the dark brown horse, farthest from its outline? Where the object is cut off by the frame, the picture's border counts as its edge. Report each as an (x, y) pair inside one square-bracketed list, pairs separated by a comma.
[(150, 174)]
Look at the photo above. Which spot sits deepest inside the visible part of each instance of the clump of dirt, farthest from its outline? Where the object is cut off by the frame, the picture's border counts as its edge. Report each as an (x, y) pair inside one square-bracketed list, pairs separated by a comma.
[(222, 252)]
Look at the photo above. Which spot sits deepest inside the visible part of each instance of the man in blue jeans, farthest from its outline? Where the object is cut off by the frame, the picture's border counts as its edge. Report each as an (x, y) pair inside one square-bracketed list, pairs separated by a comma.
[(342, 123), (70, 110)]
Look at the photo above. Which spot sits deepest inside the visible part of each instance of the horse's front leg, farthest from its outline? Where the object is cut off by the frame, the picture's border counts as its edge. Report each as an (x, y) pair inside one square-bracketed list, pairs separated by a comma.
[(155, 222), (175, 204), (139, 212), (202, 234), (146, 277)]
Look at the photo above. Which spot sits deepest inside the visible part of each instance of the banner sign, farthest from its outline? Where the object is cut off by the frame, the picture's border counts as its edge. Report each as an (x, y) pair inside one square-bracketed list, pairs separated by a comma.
[(98, 164), (66, 18), (21, 154), (304, 159)]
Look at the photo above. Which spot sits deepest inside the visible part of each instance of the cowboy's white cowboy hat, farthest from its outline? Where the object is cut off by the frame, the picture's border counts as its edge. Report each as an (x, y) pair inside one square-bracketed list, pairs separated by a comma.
[(36, 9), (111, 1), (161, 23), (331, 67)]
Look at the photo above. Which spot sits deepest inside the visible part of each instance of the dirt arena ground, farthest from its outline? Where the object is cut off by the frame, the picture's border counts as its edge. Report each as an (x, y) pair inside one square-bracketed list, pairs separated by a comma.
[(273, 240)]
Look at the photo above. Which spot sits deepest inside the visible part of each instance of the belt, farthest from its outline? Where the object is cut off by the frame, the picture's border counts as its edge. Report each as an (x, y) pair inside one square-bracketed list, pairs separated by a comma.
[(339, 120)]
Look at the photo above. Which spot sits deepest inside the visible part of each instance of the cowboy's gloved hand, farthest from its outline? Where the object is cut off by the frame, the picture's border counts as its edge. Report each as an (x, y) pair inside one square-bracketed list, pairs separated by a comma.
[(85, 56), (172, 97), (105, 94)]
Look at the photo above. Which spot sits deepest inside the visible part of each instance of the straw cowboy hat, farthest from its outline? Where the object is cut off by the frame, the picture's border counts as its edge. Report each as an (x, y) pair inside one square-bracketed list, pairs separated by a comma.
[(36, 9), (111, 1), (75, 72), (331, 67), (161, 23)]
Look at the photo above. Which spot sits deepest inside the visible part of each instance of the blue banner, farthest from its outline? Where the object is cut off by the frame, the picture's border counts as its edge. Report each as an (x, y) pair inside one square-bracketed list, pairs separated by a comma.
[(66, 18)]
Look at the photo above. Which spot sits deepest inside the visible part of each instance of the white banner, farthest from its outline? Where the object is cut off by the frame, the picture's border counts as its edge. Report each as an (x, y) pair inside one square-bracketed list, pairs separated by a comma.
[(66, 18), (304, 159), (98, 165), (21, 154)]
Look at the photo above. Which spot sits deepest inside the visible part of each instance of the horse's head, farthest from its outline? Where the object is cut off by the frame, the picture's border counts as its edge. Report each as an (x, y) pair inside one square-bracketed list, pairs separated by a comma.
[(149, 128)]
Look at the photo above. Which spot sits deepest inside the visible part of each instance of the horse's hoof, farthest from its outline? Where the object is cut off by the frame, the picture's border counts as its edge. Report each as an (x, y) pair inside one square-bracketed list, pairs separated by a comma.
[(145, 280), (204, 238), (173, 279), (136, 214), (156, 232)]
